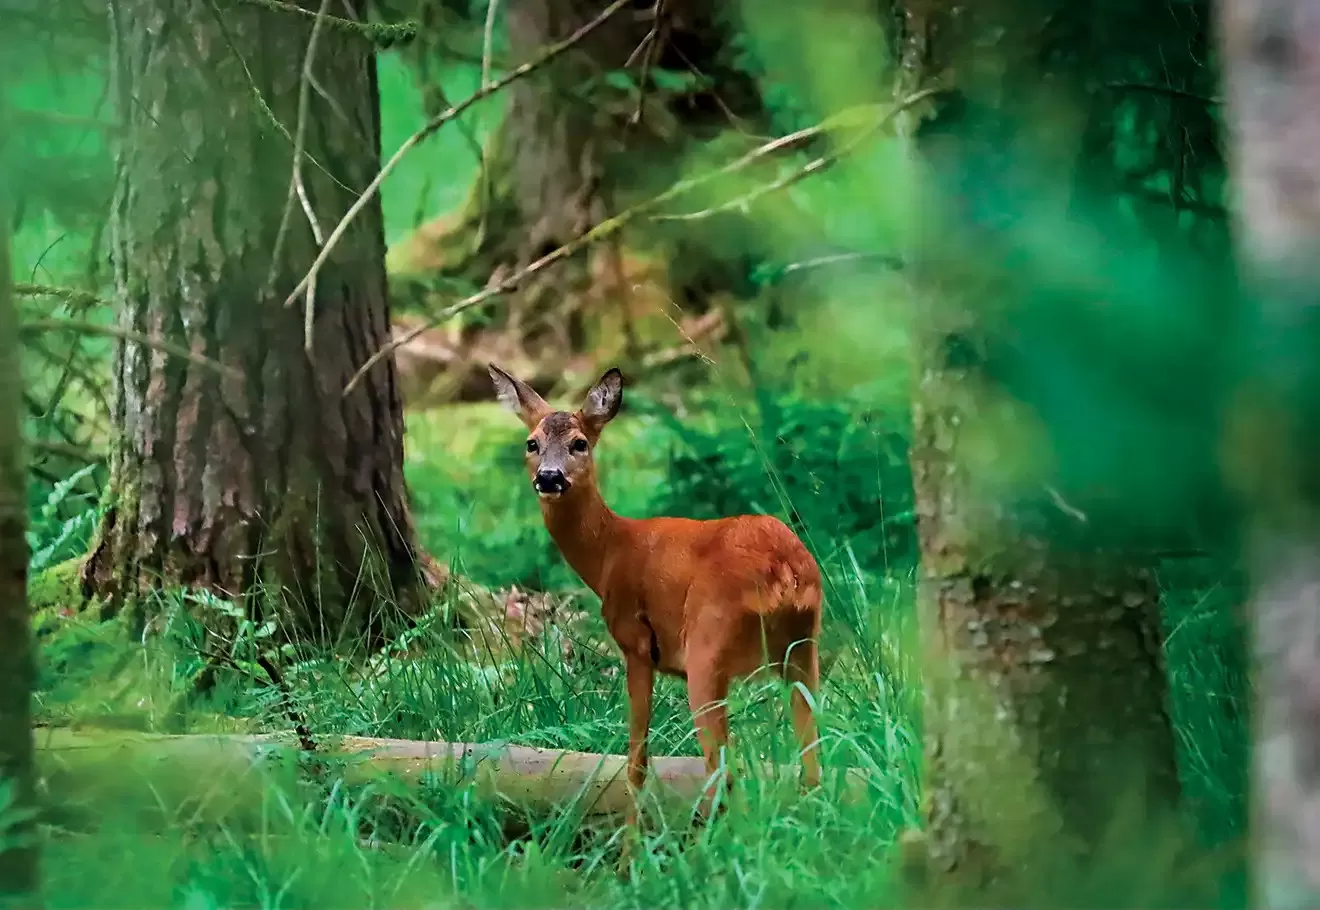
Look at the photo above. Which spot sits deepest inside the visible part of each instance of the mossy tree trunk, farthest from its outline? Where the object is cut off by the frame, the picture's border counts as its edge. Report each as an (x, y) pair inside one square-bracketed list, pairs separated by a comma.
[(1047, 703), (1271, 53), (18, 854), (262, 478)]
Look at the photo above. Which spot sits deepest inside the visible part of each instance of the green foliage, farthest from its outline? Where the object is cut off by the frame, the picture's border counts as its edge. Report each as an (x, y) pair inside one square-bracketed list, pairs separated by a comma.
[(435, 177), (837, 474), (471, 499), (55, 532)]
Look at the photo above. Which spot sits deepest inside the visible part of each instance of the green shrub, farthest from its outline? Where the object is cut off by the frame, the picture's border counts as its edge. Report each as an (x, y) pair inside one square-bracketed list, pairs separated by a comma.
[(839, 476)]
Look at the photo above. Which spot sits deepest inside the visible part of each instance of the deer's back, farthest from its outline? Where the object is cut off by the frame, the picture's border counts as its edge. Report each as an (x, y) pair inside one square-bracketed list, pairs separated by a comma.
[(681, 582), (755, 558)]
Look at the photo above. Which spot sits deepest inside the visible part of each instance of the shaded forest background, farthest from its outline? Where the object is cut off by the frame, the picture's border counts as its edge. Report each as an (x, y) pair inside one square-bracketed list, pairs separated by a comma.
[(952, 292)]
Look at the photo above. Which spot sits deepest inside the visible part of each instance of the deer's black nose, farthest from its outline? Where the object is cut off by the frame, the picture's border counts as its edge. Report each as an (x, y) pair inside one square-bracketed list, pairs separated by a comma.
[(551, 482)]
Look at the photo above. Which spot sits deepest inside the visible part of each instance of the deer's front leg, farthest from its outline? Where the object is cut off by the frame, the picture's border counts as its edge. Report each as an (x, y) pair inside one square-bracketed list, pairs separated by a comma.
[(641, 684)]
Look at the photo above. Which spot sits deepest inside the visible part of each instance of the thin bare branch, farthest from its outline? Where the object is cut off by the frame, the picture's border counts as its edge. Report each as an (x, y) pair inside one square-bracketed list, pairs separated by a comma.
[(67, 371), (488, 42), (1166, 90), (259, 97), (435, 124), (37, 410), (297, 189), (110, 331), (75, 370), (888, 260), (652, 45), (815, 166), (299, 146), (865, 117)]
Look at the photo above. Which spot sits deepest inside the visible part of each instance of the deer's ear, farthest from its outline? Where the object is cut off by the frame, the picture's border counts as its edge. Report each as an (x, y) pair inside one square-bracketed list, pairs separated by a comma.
[(603, 400), (519, 397)]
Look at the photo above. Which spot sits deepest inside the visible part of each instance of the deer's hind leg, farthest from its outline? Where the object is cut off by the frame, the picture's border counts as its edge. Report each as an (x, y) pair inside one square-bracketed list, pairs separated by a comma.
[(708, 693), (724, 645), (802, 671), (708, 678)]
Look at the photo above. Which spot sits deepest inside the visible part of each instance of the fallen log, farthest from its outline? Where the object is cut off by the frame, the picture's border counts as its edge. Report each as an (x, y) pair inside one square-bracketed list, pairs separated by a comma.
[(215, 775)]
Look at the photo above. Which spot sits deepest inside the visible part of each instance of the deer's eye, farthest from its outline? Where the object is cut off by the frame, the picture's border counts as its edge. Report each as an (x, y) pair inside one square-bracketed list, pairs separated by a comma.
[(533, 446), (579, 446)]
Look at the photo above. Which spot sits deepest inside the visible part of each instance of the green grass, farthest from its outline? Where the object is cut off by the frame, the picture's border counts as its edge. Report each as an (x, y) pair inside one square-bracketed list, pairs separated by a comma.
[(138, 841)]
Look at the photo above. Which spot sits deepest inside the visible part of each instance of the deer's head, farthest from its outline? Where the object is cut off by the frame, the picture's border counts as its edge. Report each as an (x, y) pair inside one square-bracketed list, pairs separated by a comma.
[(561, 444)]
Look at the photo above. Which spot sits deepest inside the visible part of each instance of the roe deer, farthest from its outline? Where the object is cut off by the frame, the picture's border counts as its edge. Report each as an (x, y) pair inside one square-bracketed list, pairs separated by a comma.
[(694, 599)]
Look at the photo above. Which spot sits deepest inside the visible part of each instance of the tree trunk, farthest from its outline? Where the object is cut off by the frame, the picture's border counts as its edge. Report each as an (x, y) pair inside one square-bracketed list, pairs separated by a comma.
[(258, 478), (1047, 712), (18, 855), (1271, 52), (1047, 699)]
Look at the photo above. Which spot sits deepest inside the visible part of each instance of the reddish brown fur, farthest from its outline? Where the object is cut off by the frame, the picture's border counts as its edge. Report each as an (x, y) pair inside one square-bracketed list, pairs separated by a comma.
[(709, 601)]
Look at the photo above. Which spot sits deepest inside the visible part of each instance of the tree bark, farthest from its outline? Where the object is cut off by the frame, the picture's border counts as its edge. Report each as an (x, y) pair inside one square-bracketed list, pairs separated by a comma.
[(1046, 715), (18, 852), (1271, 52), (258, 479)]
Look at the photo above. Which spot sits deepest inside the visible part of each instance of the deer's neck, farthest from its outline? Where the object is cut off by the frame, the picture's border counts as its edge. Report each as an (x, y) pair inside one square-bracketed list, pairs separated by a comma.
[(584, 529)]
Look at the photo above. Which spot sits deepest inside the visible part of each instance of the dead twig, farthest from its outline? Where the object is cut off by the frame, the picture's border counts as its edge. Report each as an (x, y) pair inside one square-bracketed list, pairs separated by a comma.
[(816, 165), (434, 125), (887, 260), (275, 679), (296, 187), (616, 223), (742, 203), (128, 335), (652, 44), (74, 371), (488, 42), (1166, 90), (35, 409)]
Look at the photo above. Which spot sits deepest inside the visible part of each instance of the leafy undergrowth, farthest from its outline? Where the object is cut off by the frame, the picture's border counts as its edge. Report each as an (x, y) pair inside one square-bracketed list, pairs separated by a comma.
[(183, 837)]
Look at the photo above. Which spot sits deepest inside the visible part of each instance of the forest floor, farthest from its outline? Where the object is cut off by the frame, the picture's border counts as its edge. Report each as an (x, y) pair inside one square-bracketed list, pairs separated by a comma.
[(158, 836)]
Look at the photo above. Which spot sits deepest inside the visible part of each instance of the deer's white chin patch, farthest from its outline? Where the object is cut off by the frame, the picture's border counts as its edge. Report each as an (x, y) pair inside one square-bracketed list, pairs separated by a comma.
[(549, 497)]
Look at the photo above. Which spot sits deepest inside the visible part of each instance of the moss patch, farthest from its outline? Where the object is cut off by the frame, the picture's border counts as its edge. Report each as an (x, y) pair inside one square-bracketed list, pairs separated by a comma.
[(55, 594)]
